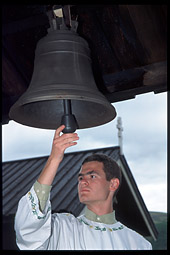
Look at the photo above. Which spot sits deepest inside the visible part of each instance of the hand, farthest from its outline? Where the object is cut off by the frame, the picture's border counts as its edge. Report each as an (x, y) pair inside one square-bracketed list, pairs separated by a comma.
[(61, 143)]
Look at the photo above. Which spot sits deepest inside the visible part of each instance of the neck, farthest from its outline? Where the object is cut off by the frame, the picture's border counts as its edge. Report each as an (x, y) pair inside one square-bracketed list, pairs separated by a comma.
[(100, 209)]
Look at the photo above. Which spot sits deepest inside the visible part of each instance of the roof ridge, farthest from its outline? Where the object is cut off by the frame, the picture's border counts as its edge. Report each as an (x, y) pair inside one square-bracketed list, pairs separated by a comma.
[(72, 152)]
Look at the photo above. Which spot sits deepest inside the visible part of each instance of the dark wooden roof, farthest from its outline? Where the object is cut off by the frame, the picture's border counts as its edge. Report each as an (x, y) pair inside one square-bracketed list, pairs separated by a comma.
[(128, 45), (18, 177)]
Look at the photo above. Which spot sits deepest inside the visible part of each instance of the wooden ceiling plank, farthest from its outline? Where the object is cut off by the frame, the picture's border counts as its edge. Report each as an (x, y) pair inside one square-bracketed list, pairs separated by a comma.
[(90, 29), (25, 24), (121, 33), (12, 82), (150, 25)]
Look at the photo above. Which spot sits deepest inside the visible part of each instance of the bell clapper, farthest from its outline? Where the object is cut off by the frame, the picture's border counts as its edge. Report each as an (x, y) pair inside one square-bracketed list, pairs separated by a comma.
[(68, 119)]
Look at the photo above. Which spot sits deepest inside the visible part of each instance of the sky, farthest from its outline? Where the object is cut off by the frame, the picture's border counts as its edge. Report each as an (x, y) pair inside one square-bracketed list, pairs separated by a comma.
[(144, 121)]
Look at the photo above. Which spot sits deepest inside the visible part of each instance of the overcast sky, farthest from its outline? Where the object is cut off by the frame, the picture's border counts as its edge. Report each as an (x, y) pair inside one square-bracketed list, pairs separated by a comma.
[(144, 143)]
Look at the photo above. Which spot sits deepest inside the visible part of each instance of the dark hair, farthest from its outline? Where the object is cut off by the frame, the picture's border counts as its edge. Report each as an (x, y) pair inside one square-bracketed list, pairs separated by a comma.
[(110, 167)]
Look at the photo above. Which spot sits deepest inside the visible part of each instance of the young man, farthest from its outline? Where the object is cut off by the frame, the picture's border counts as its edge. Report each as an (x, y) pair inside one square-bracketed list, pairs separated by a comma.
[(98, 181)]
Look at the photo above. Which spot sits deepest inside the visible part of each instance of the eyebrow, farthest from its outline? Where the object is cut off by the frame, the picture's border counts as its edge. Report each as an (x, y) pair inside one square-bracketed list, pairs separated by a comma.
[(90, 172)]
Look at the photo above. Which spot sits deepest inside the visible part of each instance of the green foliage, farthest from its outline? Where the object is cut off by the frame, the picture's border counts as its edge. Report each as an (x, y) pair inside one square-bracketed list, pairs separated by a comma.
[(160, 220)]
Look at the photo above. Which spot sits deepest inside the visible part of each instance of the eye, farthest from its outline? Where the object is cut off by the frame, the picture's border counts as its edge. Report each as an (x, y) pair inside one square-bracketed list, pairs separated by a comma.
[(80, 178), (93, 176)]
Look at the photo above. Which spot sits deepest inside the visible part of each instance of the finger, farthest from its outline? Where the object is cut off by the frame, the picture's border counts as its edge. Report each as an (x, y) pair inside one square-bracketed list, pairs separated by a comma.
[(67, 145), (58, 131), (64, 139), (70, 140), (65, 136)]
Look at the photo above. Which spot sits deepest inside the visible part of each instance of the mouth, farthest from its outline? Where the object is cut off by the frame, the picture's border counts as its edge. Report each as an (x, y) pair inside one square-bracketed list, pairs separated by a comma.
[(84, 190)]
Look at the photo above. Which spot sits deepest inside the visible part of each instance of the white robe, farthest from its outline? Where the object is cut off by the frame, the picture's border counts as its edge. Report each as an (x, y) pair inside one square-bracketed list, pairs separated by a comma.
[(62, 231)]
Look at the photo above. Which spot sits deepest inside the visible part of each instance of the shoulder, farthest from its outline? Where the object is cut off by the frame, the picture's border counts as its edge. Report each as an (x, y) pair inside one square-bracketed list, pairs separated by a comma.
[(137, 239), (67, 217)]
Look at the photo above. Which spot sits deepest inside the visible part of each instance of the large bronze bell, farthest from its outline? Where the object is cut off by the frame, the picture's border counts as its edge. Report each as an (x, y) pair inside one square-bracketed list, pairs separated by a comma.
[(62, 84)]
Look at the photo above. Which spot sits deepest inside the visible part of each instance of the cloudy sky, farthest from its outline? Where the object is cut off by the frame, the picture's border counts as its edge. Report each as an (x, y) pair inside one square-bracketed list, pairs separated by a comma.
[(144, 143)]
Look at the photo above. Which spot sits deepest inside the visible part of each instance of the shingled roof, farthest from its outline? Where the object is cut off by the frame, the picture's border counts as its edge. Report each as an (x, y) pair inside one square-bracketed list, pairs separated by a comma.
[(18, 177)]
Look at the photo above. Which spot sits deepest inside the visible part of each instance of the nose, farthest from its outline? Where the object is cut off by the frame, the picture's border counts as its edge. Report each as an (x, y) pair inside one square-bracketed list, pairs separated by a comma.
[(84, 181)]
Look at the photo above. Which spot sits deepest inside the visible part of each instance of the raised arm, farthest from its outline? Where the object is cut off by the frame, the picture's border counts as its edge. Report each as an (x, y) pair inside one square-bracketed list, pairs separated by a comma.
[(33, 224), (60, 144)]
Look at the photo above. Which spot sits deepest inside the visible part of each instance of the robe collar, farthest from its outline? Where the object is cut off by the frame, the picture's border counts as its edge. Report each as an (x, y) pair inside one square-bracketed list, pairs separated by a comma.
[(106, 218)]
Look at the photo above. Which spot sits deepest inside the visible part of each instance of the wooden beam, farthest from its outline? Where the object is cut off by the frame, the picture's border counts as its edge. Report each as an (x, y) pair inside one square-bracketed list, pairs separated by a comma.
[(156, 74), (127, 84)]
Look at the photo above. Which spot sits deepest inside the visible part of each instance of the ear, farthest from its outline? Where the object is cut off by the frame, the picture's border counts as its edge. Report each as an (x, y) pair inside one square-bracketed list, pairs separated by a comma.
[(114, 184)]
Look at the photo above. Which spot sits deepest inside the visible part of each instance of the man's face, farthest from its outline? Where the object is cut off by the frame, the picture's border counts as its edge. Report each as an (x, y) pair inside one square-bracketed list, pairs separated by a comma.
[(92, 184)]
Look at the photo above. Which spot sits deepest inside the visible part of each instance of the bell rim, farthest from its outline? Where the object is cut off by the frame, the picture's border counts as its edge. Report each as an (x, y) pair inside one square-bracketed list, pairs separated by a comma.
[(16, 115)]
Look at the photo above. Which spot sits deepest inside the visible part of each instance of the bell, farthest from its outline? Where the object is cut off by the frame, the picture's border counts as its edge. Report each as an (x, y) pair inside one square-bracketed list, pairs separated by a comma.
[(62, 88)]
